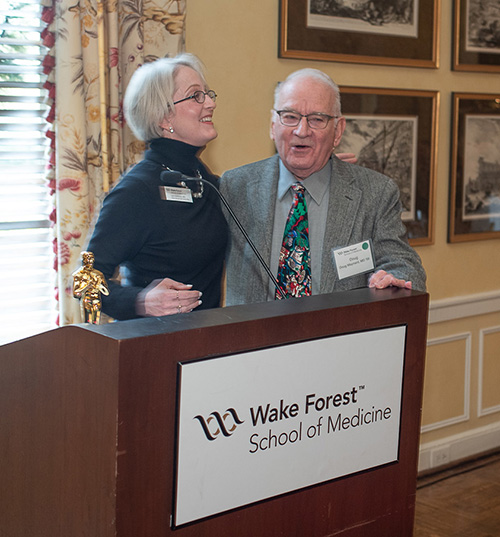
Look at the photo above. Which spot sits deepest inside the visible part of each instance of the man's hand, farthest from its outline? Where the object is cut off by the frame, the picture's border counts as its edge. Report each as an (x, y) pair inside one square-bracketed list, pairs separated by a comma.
[(382, 279)]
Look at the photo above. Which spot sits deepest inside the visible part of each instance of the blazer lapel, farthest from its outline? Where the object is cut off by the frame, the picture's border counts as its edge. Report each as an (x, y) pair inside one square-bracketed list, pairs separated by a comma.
[(258, 220), (342, 209), (265, 190)]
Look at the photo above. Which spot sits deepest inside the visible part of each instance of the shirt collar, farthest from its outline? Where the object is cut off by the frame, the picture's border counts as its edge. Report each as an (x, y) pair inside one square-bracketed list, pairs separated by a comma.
[(316, 184)]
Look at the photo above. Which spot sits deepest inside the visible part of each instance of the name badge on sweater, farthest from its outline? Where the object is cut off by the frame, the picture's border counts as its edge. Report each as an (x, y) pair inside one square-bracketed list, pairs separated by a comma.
[(354, 259), (174, 193)]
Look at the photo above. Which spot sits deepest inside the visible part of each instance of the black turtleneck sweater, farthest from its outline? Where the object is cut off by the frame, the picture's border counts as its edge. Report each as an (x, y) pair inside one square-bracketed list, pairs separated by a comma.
[(150, 238)]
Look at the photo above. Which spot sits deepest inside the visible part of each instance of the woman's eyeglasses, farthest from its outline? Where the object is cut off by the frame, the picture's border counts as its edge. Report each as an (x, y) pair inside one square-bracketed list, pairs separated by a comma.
[(199, 96)]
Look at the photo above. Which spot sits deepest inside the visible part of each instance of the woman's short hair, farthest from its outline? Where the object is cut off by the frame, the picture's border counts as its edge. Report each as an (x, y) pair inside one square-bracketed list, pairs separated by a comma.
[(311, 73), (149, 95)]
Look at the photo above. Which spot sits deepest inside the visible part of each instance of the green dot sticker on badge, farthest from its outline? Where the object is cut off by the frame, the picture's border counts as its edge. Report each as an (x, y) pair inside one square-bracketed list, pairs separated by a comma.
[(354, 259)]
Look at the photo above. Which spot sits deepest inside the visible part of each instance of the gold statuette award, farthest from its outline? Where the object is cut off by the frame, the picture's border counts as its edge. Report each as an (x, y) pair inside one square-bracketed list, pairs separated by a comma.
[(88, 284)]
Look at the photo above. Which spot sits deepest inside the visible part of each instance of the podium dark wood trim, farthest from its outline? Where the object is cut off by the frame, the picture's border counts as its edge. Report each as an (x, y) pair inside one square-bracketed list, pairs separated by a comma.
[(87, 424)]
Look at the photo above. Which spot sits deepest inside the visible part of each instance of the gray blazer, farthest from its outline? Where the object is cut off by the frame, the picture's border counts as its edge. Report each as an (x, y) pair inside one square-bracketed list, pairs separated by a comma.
[(363, 205)]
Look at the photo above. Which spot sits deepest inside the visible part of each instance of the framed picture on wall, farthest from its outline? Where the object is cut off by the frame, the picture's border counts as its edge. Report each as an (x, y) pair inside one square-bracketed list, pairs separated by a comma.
[(477, 36), (395, 132), (475, 168), (396, 32)]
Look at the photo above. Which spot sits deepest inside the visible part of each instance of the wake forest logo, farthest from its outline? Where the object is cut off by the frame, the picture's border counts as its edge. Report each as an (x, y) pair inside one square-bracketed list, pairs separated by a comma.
[(215, 424), (325, 414)]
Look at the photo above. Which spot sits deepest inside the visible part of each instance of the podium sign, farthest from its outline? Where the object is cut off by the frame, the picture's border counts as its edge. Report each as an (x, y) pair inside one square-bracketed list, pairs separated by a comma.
[(259, 424)]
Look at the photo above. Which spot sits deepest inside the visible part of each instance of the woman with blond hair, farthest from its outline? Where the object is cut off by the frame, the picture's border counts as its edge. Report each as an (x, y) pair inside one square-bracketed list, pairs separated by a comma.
[(169, 248)]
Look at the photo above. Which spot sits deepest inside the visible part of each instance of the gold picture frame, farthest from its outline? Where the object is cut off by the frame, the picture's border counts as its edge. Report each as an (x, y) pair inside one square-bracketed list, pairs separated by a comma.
[(330, 31), (474, 207), (394, 131), (476, 46)]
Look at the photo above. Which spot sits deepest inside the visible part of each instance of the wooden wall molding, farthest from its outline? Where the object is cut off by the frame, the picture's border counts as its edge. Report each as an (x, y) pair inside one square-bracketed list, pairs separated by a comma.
[(460, 307), (459, 447), (467, 336), (492, 409)]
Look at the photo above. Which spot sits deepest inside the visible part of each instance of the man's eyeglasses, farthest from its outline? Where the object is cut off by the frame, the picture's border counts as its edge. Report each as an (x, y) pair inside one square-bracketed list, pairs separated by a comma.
[(199, 96), (318, 120)]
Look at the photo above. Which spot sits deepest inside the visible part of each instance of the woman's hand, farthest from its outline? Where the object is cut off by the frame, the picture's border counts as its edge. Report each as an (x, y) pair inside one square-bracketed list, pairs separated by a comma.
[(347, 157), (166, 297)]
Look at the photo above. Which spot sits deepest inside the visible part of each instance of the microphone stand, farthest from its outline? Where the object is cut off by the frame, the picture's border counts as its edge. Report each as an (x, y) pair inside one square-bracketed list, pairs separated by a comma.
[(185, 178)]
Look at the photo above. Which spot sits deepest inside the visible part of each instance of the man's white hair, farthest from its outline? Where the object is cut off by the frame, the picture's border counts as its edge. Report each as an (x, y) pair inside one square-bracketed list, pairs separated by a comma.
[(311, 73)]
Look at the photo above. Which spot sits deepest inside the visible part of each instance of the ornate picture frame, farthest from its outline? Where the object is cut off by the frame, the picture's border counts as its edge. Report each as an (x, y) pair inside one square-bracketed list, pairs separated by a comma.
[(394, 132), (474, 208), (476, 44), (402, 33)]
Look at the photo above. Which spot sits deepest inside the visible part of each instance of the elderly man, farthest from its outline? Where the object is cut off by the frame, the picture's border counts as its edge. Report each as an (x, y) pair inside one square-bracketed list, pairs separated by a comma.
[(322, 225)]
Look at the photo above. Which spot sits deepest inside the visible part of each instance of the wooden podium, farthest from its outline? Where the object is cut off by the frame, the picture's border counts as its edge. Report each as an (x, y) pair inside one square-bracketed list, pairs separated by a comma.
[(88, 432)]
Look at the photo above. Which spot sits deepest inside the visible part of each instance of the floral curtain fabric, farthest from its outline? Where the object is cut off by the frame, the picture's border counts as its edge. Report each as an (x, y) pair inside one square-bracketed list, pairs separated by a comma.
[(97, 45)]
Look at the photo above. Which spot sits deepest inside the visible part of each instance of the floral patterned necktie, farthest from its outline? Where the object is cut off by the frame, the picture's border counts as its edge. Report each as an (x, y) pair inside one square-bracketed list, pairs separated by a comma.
[(294, 267)]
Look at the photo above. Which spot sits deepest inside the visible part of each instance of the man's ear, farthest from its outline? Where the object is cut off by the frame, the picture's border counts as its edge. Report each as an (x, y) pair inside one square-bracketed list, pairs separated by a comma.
[(339, 131), (271, 126)]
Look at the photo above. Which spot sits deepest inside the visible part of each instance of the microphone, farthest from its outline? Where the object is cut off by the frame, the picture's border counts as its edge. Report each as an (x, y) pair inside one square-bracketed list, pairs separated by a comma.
[(179, 179)]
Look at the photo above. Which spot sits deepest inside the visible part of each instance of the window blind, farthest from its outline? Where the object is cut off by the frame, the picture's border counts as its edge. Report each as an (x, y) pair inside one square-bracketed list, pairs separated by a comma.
[(26, 257)]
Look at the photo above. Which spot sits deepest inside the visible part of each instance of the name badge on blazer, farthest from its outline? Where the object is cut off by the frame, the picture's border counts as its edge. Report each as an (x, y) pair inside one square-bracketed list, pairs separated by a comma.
[(174, 193), (353, 259)]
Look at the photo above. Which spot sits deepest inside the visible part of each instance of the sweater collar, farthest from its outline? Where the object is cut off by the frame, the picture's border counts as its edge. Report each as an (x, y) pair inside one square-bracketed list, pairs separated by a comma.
[(174, 154)]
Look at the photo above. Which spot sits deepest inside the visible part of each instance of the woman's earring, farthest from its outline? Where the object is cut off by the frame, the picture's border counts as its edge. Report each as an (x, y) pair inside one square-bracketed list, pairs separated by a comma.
[(171, 130)]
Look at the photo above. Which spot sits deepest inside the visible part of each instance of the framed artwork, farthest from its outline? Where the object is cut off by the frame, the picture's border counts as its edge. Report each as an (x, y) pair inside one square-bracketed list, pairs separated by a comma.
[(477, 36), (475, 168), (396, 32), (395, 132)]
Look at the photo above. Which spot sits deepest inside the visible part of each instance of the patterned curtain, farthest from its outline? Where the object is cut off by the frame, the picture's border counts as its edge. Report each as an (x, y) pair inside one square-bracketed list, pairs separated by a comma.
[(98, 44)]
